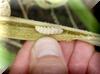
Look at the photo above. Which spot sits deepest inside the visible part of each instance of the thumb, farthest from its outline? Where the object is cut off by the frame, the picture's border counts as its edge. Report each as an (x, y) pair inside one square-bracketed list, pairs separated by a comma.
[(46, 57)]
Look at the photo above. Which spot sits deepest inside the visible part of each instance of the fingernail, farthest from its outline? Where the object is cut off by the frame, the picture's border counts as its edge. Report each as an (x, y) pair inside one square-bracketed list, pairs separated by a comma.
[(47, 46), (48, 53)]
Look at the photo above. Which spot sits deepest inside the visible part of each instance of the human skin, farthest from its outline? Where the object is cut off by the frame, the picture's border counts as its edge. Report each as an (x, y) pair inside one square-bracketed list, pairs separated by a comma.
[(79, 58)]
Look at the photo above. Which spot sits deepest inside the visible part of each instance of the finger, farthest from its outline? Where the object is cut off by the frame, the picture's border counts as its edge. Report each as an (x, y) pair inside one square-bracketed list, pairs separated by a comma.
[(80, 58), (47, 57), (94, 64), (21, 64), (67, 49)]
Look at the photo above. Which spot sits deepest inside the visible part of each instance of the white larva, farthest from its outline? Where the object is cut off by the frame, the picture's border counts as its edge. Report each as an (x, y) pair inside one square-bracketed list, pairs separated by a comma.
[(47, 4), (48, 30), (5, 8)]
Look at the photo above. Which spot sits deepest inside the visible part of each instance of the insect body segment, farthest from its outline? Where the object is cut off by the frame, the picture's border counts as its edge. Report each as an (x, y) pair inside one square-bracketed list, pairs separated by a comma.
[(48, 30)]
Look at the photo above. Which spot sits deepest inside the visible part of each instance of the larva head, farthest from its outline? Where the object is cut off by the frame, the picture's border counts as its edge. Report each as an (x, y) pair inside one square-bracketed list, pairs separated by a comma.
[(5, 8), (47, 4)]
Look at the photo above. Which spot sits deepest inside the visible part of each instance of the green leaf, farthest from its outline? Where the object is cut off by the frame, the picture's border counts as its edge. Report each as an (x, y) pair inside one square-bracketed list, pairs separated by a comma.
[(6, 57), (85, 15)]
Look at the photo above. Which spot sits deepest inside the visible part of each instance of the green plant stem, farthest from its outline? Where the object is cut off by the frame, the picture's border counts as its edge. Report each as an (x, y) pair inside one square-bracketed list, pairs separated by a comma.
[(85, 15)]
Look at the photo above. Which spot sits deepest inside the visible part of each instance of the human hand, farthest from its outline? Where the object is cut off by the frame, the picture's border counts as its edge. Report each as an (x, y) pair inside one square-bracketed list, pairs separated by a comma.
[(47, 56)]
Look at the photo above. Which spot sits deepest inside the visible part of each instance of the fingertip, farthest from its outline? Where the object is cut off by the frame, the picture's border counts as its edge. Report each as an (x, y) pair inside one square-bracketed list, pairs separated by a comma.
[(47, 57), (67, 49), (21, 63), (80, 58), (94, 64)]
